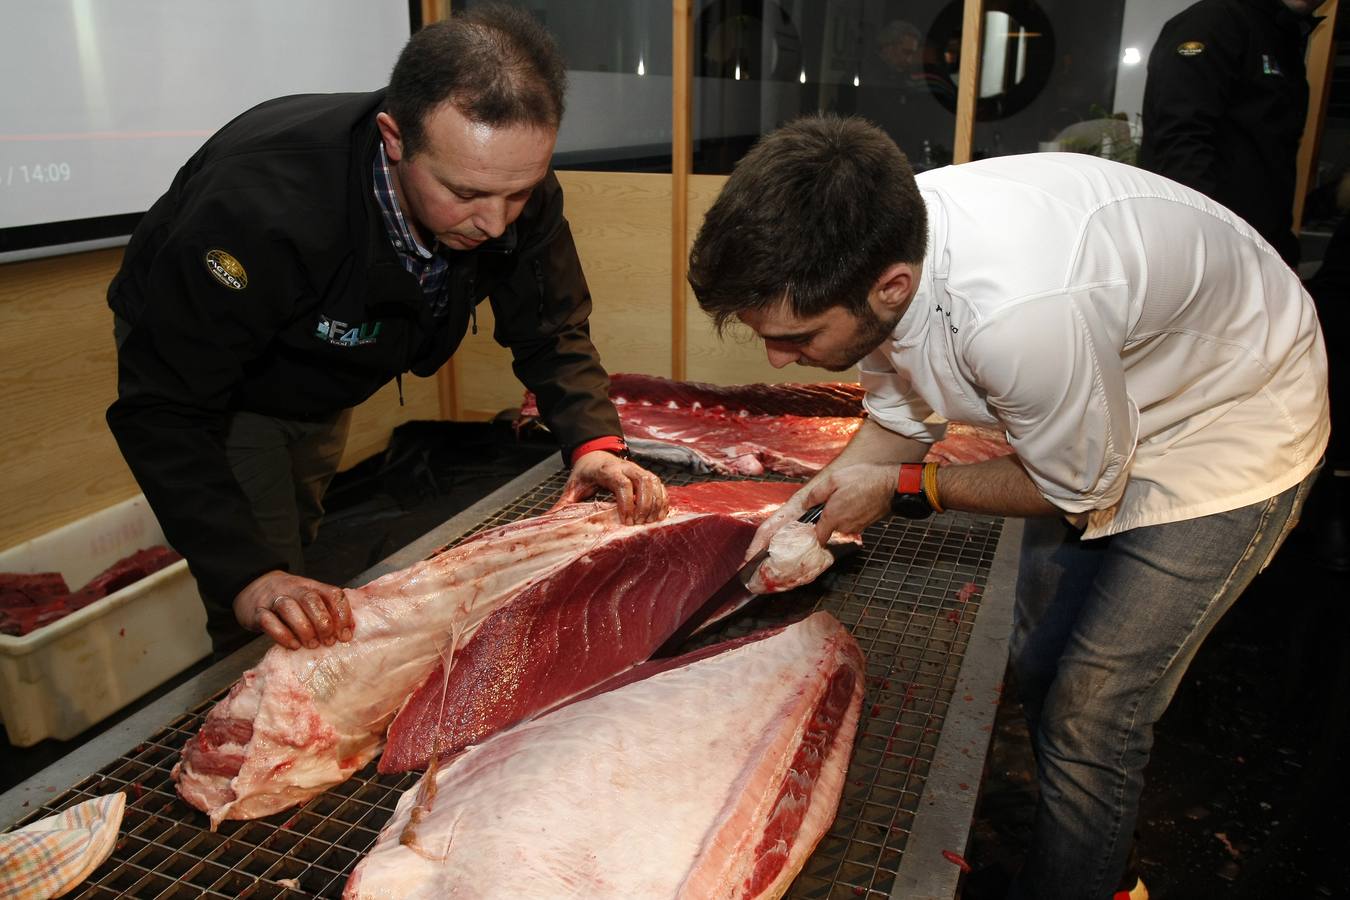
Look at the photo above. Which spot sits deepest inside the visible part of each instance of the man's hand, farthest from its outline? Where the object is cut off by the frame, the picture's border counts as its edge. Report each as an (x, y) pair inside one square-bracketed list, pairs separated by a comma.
[(295, 611), (640, 495), (855, 496)]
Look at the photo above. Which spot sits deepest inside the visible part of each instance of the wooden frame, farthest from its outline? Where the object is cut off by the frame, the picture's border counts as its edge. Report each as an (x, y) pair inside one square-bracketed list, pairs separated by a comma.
[(681, 165), (1321, 61), (435, 11), (968, 83)]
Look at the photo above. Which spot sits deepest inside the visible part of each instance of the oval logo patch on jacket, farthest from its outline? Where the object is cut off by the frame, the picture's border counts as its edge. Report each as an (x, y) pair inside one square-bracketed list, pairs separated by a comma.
[(1191, 48), (226, 269)]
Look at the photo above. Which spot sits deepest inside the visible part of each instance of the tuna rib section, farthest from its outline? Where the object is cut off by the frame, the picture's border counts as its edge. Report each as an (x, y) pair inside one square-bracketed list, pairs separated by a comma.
[(794, 429), (711, 776), (746, 429), (302, 721)]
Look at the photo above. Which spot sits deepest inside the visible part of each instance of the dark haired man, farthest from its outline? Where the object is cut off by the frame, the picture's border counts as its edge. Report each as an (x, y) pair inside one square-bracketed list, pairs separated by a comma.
[(1155, 365), (314, 249)]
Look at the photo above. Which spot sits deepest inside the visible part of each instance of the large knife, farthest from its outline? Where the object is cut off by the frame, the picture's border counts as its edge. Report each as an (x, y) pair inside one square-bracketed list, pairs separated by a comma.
[(738, 585)]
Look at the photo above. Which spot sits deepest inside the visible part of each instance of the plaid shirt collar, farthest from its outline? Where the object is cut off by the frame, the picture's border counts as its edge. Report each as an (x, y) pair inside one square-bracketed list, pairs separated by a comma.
[(400, 233)]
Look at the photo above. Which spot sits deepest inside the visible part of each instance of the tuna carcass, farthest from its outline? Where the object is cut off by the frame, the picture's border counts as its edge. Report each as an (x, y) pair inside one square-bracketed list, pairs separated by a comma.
[(302, 721), (712, 775), (794, 429), (748, 429)]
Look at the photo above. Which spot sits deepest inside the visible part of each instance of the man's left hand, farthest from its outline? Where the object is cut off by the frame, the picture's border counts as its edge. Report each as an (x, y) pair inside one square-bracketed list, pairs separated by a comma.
[(640, 495)]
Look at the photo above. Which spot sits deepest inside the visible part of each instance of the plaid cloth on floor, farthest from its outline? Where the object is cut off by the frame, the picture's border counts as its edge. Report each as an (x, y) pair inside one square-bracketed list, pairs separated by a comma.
[(53, 855)]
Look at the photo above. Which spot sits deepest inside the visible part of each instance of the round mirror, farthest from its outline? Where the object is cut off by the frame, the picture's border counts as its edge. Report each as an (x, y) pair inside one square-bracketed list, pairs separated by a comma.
[(1018, 55)]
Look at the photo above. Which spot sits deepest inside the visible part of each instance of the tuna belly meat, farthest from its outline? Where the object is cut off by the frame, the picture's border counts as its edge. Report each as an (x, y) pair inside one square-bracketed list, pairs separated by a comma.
[(603, 612), (709, 776), (302, 721)]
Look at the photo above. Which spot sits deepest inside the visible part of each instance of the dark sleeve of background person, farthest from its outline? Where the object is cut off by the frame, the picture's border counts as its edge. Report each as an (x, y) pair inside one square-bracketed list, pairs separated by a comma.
[(1224, 110), (1330, 289), (1187, 96)]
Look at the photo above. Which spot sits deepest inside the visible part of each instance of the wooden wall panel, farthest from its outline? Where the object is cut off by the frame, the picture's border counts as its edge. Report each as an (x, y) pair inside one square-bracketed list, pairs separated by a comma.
[(738, 357), (621, 222), (58, 373)]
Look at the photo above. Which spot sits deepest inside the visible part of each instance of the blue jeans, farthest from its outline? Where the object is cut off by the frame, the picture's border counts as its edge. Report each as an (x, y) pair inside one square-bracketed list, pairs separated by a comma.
[(1103, 631)]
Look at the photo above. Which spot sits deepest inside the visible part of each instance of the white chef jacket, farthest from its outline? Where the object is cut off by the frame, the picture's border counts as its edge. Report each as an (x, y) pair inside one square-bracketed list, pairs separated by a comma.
[(1148, 355)]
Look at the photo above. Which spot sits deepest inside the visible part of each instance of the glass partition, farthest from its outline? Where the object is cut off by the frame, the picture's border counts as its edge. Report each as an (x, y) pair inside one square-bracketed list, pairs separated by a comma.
[(619, 81), (1048, 78), (760, 63)]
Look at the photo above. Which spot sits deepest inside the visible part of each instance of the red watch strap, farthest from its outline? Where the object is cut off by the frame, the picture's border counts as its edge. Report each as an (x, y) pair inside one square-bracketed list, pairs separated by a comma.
[(611, 443), (911, 479)]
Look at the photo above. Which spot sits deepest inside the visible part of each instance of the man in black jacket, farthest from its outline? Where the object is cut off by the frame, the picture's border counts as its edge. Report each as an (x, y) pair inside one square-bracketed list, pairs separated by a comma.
[(319, 246), (1225, 103)]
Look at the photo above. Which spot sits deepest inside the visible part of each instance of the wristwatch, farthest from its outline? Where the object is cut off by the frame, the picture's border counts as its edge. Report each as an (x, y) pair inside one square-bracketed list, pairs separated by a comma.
[(910, 500), (609, 443)]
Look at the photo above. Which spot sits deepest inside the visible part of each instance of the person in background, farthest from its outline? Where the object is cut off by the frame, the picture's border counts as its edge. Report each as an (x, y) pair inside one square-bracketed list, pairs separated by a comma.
[(903, 96), (1224, 109), (1225, 104), (1167, 407), (900, 51), (320, 246)]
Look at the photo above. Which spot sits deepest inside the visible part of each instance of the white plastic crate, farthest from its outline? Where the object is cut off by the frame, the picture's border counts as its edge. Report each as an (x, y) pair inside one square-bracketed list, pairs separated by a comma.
[(68, 675)]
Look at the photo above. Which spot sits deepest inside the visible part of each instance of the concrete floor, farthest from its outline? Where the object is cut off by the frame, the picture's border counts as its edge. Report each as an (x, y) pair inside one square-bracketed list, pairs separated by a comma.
[(1246, 791)]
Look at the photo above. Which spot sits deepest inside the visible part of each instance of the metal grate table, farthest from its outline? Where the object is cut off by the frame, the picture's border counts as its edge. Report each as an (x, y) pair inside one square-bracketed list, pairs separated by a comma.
[(912, 597)]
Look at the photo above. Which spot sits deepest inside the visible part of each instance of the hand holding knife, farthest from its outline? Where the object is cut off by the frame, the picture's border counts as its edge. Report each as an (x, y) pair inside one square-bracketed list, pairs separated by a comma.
[(720, 598)]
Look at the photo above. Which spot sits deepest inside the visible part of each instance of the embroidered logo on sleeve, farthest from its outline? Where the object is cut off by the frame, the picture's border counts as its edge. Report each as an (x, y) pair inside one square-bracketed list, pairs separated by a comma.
[(1191, 48), (343, 335), (226, 269), (1270, 65)]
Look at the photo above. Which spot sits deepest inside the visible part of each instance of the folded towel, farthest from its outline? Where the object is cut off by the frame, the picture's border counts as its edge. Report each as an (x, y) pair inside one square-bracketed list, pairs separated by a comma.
[(52, 855)]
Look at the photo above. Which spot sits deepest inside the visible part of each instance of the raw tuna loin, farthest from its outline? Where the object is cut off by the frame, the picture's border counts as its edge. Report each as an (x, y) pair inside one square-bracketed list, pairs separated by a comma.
[(605, 611), (709, 776)]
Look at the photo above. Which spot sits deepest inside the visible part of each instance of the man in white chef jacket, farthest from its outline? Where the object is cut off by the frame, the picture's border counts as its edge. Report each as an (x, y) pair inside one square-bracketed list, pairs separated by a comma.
[(1157, 368)]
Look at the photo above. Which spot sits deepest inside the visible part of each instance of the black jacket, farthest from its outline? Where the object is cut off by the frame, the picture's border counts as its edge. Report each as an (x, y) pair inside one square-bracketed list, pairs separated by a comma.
[(264, 280), (1224, 107)]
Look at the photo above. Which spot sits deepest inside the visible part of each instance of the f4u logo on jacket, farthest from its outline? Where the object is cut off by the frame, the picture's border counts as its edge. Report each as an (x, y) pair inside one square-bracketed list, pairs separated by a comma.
[(343, 335)]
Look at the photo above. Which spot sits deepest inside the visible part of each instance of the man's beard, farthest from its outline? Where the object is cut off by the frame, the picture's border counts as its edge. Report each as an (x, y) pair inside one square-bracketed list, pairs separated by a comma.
[(871, 331)]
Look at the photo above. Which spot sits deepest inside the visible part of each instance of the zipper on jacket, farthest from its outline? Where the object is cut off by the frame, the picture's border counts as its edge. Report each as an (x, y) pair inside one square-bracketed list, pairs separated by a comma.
[(473, 301), (539, 284), (399, 380)]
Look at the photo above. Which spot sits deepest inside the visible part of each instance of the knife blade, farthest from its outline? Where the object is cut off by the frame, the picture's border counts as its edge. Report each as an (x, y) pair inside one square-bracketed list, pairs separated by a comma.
[(723, 595)]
